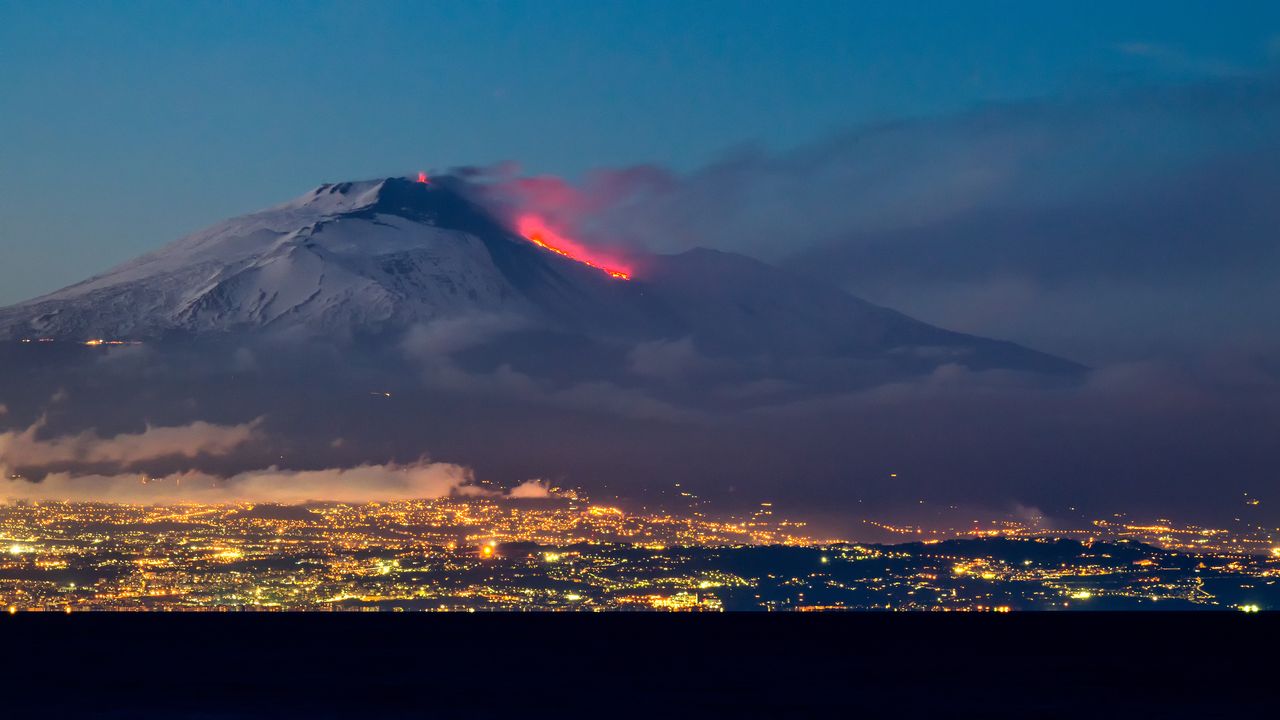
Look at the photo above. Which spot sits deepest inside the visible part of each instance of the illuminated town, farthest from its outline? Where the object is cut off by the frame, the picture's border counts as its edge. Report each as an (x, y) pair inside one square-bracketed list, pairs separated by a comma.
[(566, 553)]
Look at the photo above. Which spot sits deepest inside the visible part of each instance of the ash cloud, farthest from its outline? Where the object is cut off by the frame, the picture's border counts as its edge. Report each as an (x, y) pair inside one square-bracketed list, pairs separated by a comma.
[(1113, 227)]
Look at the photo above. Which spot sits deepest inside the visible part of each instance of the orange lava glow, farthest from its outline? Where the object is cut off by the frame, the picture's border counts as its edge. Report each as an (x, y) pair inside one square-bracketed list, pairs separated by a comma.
[(422, 178), (533, 229)]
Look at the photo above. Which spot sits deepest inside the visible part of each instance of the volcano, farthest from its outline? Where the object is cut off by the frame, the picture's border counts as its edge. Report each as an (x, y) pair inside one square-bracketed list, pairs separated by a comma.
[(369, 262)]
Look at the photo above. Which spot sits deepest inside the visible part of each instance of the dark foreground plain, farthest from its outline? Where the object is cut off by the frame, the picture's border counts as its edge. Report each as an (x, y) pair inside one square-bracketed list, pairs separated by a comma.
[(1050, 665)]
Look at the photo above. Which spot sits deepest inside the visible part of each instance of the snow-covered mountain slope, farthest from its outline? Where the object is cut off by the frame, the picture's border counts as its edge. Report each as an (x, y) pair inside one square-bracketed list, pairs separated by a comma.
[(375, 259), (330, 262)]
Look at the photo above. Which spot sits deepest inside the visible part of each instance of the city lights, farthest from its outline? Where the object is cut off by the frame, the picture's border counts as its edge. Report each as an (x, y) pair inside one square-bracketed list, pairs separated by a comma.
[(564, 553)]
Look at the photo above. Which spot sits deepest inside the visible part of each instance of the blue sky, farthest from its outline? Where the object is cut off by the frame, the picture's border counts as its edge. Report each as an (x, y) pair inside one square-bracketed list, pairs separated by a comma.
[(126, 125)]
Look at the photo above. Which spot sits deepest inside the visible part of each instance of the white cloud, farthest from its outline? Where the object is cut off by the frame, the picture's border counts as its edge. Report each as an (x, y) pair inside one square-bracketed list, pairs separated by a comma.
[(25, 449), (530, 489), (360, 484)]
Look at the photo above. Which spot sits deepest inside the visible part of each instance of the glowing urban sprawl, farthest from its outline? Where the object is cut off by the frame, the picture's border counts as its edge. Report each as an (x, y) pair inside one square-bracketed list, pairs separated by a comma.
[(464, 554)]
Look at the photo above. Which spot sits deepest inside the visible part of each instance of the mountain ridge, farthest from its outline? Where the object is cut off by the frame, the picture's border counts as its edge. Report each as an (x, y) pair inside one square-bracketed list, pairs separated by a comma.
[(377, 258)]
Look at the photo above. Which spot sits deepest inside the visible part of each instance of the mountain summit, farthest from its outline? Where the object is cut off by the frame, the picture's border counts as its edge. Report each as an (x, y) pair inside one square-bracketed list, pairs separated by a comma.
[(344, 258), (376, 259)]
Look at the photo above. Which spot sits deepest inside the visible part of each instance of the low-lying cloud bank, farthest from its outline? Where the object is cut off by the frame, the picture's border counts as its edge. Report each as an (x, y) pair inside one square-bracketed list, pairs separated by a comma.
[(1185, 440), (24, 449), (360, 484)]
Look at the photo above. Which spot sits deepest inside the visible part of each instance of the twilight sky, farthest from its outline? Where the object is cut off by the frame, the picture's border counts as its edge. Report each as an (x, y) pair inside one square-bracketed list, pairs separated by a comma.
[(1096, 182), (1093, 182)]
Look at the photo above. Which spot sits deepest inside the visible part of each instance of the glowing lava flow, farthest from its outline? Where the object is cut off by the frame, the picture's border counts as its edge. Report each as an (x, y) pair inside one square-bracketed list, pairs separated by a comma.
[(422, 178), (536, 231)]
